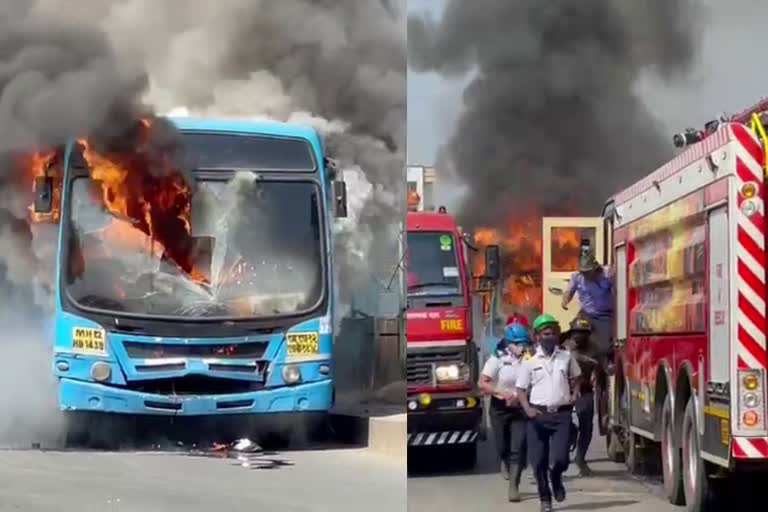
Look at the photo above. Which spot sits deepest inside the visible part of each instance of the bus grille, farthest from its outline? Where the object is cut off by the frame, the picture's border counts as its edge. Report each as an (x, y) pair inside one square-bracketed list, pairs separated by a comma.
[(195, 385), (247, 350)]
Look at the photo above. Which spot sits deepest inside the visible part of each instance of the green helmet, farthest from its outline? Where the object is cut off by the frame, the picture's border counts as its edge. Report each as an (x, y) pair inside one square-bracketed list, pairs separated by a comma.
[(588, 262), (543, 321)]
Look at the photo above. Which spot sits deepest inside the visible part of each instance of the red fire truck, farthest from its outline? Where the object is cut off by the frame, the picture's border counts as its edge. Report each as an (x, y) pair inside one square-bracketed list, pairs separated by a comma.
[(444, 407), (688, 243)]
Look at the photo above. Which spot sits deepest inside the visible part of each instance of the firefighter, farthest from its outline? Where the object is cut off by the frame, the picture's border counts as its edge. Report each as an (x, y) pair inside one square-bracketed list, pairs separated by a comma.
[(594, 285), (508, 419), (578, 343), (547, 388)]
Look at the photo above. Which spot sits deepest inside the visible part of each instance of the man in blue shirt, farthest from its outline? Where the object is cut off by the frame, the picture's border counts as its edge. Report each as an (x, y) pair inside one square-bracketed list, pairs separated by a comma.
[(594, 284)]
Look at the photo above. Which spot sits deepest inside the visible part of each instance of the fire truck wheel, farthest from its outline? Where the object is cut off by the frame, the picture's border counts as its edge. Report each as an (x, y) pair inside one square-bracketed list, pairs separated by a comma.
[(695, 480), (632, 453), (614, 446), (616, 435), (670, 456)]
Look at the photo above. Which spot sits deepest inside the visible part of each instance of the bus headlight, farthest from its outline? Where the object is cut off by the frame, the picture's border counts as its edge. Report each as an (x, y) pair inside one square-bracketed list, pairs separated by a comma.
[(101, 371), (291, 374)]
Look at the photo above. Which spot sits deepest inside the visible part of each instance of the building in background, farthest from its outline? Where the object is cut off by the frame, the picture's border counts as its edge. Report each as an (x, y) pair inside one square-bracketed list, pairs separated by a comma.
[(421, 185)]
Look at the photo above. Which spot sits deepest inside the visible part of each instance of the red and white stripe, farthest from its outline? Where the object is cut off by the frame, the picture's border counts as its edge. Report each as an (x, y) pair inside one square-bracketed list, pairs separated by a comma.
[(750, 256), (751, 271), (750, 447)]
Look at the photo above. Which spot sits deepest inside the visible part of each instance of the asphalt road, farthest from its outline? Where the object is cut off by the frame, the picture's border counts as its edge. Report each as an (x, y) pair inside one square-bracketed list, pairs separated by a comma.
[(434, 486), (335, 480)]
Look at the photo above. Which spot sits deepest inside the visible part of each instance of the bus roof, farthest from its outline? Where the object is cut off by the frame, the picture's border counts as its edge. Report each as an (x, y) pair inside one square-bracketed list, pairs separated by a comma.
[(429, 221), (272, 128)]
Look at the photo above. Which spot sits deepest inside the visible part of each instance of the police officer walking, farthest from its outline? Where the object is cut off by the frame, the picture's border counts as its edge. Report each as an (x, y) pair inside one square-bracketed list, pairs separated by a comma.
[(545, 383), (508, 419)]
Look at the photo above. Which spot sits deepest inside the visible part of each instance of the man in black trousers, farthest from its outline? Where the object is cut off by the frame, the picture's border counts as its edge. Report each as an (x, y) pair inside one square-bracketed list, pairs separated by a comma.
[(545, 390)]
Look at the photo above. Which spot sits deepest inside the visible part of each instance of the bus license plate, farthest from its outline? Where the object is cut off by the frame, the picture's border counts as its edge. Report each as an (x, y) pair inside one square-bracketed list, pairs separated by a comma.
[(303, 343), (89, 341)]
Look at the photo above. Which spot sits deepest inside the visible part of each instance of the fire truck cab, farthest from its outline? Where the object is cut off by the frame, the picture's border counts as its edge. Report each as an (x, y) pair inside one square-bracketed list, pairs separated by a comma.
[(444, 405), (688, 244)]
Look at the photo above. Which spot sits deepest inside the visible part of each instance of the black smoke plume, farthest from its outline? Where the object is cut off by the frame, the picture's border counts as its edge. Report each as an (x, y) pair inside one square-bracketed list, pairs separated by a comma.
[(552, 119)]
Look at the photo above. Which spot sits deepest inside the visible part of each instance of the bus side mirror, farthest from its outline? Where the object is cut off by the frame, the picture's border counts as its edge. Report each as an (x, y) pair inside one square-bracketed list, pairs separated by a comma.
[(492, 263), (340, 199), (43, 195)]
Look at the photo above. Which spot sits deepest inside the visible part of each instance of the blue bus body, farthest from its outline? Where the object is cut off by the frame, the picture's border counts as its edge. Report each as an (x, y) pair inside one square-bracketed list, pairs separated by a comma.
[(114, 363)]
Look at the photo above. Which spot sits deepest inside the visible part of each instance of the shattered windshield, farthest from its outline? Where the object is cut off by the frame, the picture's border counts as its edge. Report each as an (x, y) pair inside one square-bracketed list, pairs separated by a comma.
[(251, 249)]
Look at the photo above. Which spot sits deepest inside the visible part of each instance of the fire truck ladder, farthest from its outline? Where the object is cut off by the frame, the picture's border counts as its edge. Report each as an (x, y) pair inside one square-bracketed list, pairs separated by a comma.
[(758, 128)]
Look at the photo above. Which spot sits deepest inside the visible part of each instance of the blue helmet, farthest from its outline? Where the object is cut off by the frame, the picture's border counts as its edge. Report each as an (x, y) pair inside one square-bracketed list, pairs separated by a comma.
[(516, 333)]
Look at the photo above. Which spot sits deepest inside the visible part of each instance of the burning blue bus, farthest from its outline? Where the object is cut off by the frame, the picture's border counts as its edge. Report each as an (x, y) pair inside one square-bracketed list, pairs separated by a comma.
[(234, 317)]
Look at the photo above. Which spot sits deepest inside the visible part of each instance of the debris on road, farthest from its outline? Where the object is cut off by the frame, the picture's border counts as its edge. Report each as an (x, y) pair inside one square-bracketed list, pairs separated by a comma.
[(245, 452)]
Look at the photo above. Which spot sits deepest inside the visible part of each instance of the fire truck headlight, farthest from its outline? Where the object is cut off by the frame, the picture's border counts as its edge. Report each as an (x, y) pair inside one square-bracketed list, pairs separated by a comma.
[(751, 400), (291, 374), (749, 190), (751, 382), (448, 373), (751, 393), (101, 371), (750, 419), (749, 207)]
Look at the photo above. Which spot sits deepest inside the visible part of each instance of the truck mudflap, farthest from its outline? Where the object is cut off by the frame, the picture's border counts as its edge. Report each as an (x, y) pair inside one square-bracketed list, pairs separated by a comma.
[(450, 437)]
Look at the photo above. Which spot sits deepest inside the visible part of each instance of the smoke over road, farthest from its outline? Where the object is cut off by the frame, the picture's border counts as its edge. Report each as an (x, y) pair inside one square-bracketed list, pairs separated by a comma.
[(339, 65), (71, 69), (552, 112)]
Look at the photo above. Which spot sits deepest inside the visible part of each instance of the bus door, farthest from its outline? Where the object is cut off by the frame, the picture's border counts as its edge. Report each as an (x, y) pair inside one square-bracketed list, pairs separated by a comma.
[(563, 240)]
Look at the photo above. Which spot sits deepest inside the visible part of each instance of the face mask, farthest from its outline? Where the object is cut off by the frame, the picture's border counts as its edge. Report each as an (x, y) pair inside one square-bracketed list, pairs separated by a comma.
[(549, 341)]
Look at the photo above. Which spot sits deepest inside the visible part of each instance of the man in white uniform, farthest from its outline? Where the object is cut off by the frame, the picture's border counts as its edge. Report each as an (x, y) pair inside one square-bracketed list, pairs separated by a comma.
[(508, 420), (547, 390)]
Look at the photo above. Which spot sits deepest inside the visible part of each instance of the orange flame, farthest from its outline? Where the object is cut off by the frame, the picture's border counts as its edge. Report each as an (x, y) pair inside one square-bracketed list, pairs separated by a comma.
[(521, 251), (151, 210), (40, 165)]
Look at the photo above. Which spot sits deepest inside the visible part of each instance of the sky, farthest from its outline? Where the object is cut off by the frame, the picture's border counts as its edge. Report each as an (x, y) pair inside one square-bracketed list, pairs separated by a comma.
[(729, 76)]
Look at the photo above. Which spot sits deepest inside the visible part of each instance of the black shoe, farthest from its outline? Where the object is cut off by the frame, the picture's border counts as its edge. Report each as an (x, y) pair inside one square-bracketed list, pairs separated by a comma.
[(546, 506), (513, 476), (558, 491), (584, 469)]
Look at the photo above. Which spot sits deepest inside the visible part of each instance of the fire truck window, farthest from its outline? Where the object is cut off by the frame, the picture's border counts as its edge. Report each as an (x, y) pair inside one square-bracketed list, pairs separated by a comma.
[(565, 247), (432, 265), (667, 274)]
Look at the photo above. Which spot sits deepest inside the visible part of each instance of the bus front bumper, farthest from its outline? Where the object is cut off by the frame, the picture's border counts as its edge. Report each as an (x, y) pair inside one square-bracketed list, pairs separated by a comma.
[(83, 396)]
